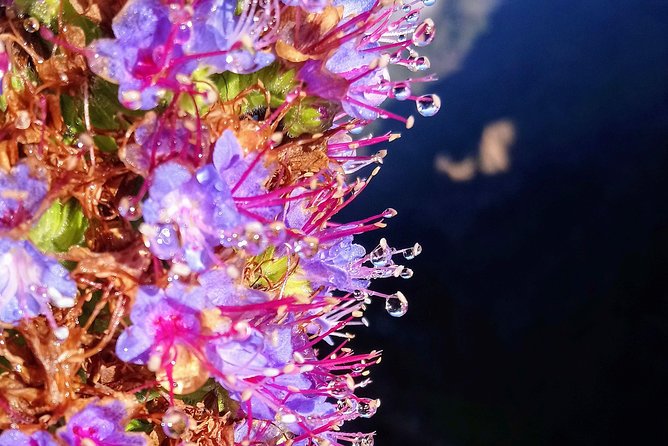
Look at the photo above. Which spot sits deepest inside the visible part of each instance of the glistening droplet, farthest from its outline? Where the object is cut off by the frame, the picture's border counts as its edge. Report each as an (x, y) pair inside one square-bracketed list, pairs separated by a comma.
[(401, 91), (424, 33), (396, 305), (428, 104), (175, 423), (31, 24)]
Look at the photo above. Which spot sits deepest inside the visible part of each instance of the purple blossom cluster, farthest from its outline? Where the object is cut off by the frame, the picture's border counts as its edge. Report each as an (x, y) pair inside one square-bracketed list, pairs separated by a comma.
[(224, 257)]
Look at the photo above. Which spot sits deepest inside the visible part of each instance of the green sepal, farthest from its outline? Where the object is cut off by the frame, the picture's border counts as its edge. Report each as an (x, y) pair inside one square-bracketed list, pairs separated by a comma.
[(278, 82), (309, 115), (61, 226), (139, 425)]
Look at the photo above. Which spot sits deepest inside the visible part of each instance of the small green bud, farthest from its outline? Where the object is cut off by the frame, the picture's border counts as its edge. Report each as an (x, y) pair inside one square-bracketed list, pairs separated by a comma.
[(61, 226)]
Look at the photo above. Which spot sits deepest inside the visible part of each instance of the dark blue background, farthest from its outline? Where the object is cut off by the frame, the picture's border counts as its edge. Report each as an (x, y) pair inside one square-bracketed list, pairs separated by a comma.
[(539, 308)]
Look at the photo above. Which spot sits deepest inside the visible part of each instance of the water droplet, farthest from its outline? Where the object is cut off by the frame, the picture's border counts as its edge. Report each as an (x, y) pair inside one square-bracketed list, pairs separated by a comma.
[(424, 33), (183, 33), (129, 209), (401, 91), (366, 408), (346, 406), (406, 8), (406, 273), (308, 246), (428, 105), (429, 2), (61, 333), (360, 295), (412, 17), (363, 441), (174, 423), (397, 304), (381, 255), (411, 253), (421, 63), (31, 24)]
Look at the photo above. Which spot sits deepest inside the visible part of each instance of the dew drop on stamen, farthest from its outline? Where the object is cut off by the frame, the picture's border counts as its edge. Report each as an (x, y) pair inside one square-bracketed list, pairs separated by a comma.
[(411, 253), (428, 105), (346, 406), (360, 295), (412, 17), (401, 91), (421, 63), (381, 255), (396, 305), (174, 423), (367, 408), (424, 33)]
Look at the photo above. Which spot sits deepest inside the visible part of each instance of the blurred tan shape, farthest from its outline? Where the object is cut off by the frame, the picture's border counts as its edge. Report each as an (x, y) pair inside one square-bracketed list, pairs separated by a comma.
[(495, 143), (463, 170), (493, 156)]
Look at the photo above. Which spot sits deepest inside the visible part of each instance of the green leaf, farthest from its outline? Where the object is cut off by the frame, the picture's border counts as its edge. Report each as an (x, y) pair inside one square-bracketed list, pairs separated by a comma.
[(138, 425), (61, 226), (105, 143)]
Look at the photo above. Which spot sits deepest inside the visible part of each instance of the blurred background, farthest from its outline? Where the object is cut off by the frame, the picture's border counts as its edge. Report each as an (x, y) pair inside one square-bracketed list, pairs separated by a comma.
[(539, 307)]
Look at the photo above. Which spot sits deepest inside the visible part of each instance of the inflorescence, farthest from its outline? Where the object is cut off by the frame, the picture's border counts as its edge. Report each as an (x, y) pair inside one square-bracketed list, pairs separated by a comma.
[(171, 272)]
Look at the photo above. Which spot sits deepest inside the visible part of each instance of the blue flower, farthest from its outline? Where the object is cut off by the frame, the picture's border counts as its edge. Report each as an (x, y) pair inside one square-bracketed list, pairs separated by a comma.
[(100, 424), (185, 214), (160, 319), (14, 437), (337, 267), (145, 58), (224, 36), (20, 195), (30, 281)]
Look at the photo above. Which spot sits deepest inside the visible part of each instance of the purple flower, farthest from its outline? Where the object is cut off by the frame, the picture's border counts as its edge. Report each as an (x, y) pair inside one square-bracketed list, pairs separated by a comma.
[(14, 437), (354, 7), (188, 215), (20, 196), (185, 214), (29, 281), (146, 57), (228, 40), (161, 319), (308, 5), (101, 425), (338, 266), (372, 38), (352, 62), (159, 140)]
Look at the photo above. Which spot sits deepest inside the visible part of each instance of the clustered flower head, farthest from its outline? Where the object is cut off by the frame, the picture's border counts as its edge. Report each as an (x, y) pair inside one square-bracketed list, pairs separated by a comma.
[(173, 267)]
